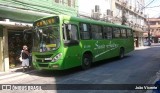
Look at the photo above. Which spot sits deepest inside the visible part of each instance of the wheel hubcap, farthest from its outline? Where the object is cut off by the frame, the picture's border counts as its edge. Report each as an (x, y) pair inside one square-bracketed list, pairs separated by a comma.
[(86, 61)]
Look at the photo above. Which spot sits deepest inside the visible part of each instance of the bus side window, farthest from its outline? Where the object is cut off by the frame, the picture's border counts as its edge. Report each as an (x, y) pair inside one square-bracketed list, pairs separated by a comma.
[(105, 30), (123, 33), (109, 33), (70, 32), (129, 33), (84, 31), (116, 32), (96, 32)]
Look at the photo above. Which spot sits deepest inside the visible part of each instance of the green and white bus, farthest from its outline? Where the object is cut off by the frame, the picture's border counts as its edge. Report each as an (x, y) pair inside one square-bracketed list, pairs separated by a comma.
[(62, 42)]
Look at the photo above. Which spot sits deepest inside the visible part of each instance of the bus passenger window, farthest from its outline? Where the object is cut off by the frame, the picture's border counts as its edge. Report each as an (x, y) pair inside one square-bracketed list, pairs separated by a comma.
[(116, 32), (84, 31), (109, 33), (96, 32), (105, 32), (123, 33), (129, 33), (71, 32)]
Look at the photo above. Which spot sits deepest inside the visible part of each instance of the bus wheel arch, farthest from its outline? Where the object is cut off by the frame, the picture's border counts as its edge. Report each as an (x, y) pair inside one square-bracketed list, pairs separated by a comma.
[(121, 52), (87, 59)]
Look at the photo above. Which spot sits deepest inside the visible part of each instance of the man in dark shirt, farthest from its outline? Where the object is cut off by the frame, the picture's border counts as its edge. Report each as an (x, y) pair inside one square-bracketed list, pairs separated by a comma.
[(25, 57)]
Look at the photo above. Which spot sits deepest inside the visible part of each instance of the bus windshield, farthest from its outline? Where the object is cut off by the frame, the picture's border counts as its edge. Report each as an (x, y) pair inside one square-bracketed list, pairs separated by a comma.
[(46, 38)]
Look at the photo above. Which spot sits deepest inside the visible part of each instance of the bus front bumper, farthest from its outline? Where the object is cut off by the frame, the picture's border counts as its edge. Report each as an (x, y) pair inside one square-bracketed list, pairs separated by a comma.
[(48, 66)]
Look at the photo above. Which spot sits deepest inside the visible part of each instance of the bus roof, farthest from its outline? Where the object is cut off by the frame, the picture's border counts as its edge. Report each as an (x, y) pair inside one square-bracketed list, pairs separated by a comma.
[(85, 20), (92, 21)]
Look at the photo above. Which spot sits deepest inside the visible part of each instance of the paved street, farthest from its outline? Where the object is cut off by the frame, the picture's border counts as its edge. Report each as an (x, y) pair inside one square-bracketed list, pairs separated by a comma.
[(138, 67)]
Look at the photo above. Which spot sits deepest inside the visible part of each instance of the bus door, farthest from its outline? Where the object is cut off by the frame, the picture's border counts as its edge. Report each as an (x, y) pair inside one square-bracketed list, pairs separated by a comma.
[(72, 49)]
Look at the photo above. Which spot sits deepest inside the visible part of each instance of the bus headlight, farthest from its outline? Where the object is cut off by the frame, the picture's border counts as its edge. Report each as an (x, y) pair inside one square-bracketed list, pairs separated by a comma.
[(57, 57)]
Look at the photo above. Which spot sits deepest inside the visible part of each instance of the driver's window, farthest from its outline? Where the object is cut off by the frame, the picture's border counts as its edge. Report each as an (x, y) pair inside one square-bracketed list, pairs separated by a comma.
[(71, 32)]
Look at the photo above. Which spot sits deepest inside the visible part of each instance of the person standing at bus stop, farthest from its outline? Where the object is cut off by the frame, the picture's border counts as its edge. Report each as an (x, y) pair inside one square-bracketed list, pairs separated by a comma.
[(25, 57)]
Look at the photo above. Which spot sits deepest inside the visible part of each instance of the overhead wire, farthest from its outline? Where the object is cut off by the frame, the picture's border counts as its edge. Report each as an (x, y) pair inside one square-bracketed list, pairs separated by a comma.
[(149, 3), (153, 6)]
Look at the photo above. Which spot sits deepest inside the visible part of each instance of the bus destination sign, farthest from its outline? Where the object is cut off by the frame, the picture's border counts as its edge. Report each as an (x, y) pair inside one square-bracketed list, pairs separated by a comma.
[(47, 21)]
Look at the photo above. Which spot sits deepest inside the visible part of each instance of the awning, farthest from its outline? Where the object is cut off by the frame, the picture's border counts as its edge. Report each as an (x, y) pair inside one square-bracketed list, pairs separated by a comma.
[(139, 30), (15, 24)]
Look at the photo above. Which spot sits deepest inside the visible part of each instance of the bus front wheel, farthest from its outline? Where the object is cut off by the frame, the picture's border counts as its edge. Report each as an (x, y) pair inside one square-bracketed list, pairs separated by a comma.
[(86, 61)]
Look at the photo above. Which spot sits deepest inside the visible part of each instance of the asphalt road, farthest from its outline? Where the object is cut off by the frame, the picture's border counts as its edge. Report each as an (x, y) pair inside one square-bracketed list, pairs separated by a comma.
[(138, 67)]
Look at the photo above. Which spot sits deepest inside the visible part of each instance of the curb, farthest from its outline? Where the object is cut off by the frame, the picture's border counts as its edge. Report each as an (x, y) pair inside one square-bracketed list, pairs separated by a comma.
[(144, 47)]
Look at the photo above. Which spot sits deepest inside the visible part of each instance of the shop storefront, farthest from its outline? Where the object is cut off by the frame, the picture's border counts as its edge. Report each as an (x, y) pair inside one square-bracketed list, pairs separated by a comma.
[(138, 37), (11, 42)]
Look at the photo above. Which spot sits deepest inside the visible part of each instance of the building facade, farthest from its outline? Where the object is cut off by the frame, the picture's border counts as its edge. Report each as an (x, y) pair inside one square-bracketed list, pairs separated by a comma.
[(154, 30), (18, 15), (125, 12), (30, 10)]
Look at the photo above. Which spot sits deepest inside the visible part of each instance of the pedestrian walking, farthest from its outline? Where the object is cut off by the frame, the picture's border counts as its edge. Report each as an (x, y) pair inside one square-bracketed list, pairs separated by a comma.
[(25, 57)]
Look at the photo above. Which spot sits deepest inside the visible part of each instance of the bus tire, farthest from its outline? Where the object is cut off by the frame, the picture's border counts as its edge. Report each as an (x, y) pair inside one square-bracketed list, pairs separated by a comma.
[(86, 61), (121, 53)]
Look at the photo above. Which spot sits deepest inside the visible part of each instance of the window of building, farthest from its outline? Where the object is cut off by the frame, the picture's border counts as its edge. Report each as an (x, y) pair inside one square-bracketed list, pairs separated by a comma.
[(152, 22), (116, 32), (60, 1), (107, 32), (71, 3), (57, 1), (96, 32), (84, 31)]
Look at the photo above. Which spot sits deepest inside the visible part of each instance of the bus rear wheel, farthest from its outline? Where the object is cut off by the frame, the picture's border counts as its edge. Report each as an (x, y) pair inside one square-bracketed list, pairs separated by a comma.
[(86, 61), (121, 54)]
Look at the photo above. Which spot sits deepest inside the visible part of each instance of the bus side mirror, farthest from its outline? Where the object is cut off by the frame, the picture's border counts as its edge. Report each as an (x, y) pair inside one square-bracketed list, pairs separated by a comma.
[(69, 27), (26, 33)]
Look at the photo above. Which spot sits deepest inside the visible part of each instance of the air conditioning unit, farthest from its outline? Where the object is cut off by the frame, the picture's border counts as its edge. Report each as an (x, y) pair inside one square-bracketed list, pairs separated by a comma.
[(130, 7), (97, 8), (145, 16), (135, 9), (109, 12), (96, 15), (124, 3)]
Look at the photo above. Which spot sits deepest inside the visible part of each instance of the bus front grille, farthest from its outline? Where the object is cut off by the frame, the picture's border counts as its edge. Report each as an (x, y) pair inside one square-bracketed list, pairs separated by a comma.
[(42, 60), (44, 56), (43, 65)]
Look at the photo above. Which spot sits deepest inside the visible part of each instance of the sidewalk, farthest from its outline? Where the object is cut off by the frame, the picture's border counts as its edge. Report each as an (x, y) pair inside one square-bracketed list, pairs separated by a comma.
[(14, 72), (142, 47)]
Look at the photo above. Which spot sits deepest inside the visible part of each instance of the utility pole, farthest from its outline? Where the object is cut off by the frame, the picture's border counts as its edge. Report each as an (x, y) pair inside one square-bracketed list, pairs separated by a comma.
[(124, 19), (149, 41)]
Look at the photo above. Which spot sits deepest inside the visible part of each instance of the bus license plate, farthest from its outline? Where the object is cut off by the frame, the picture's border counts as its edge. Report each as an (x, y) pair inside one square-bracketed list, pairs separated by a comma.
[(48, 59)]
